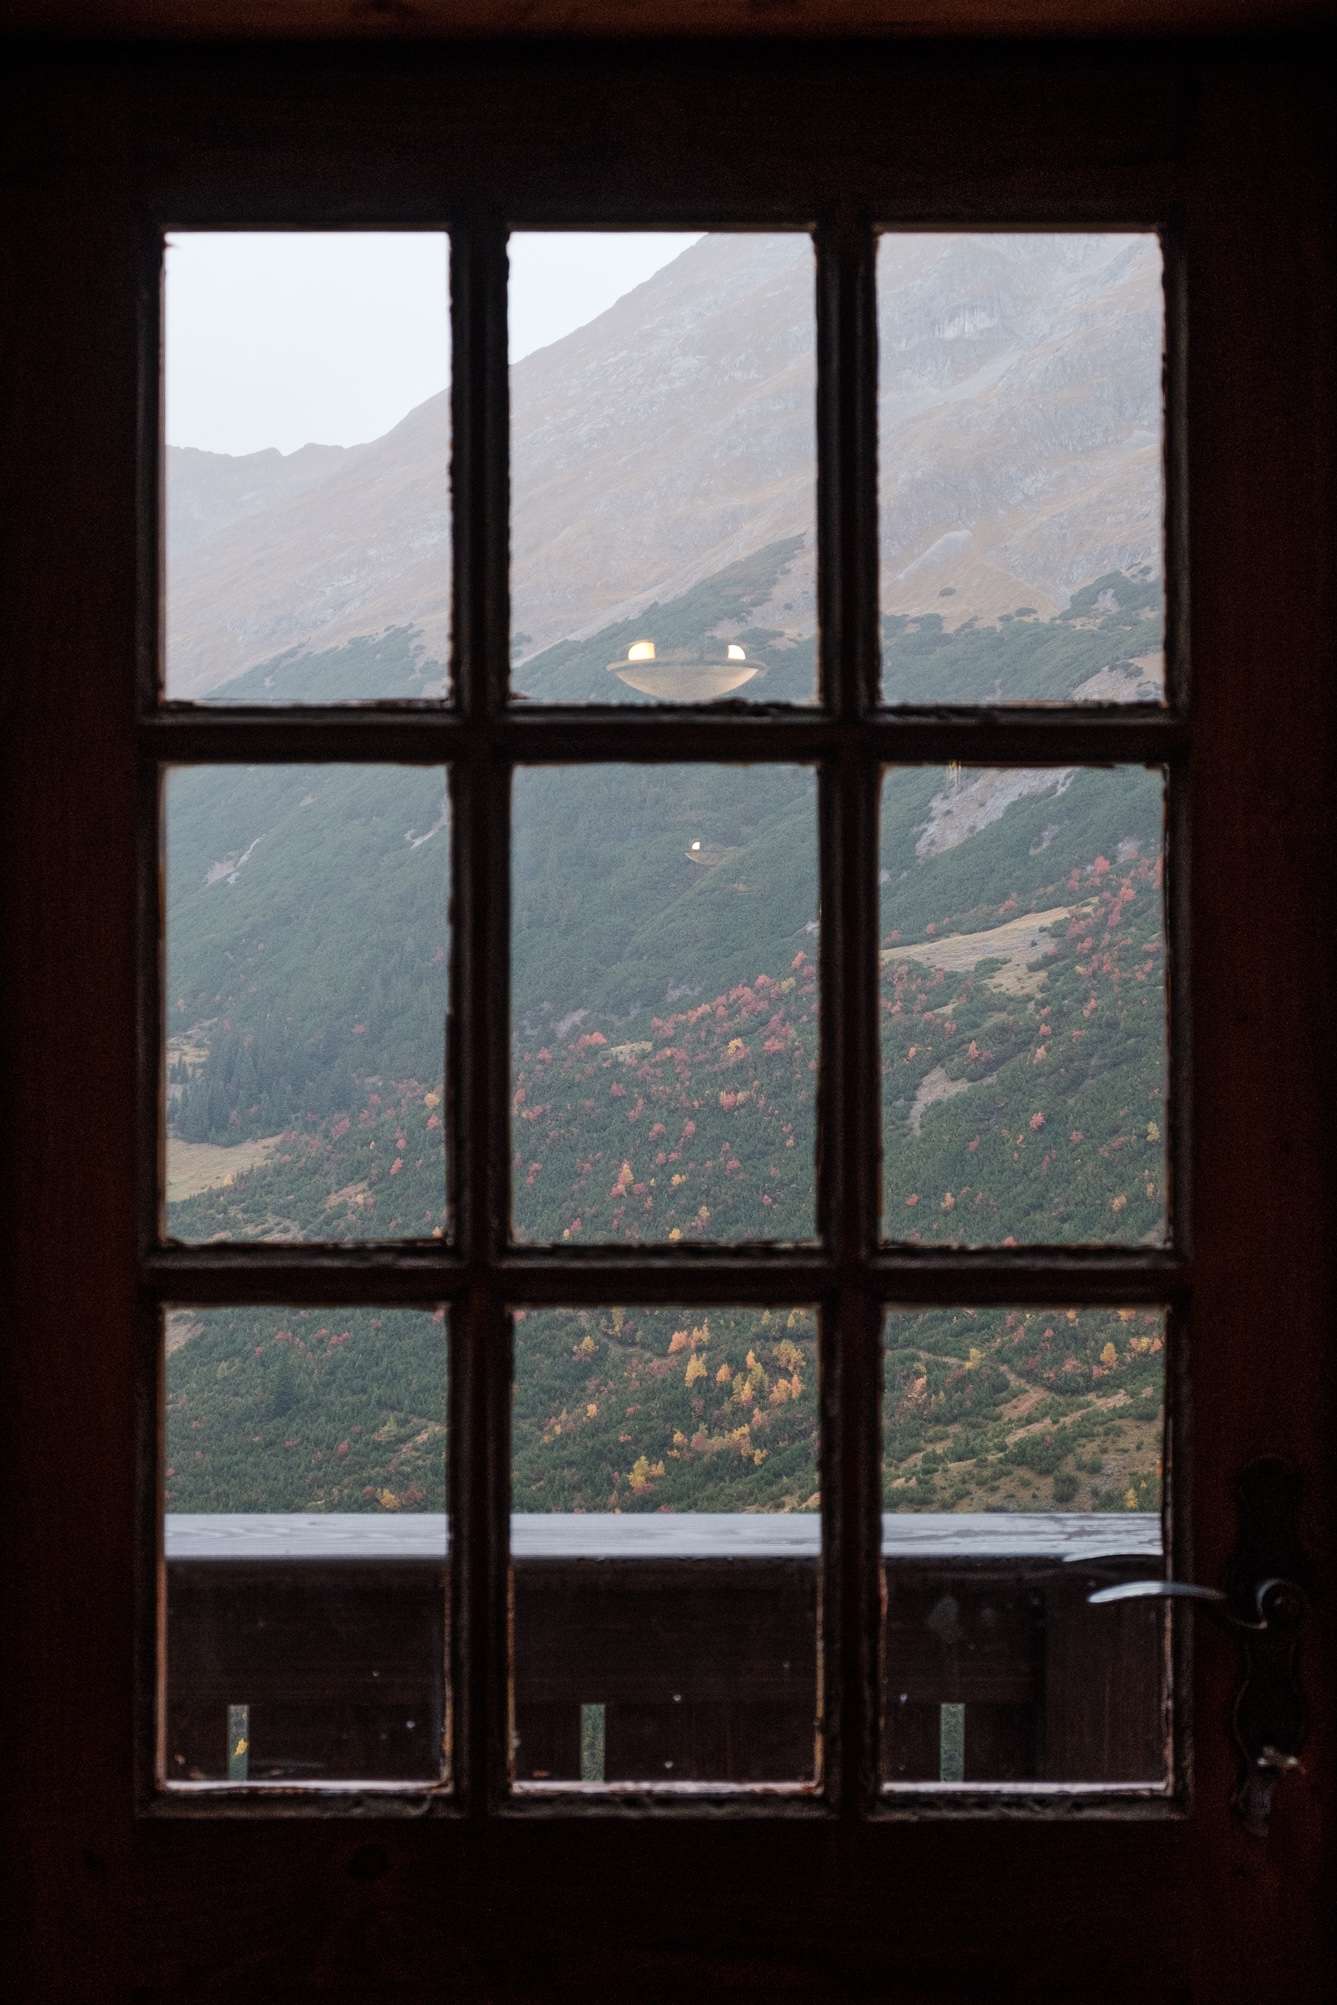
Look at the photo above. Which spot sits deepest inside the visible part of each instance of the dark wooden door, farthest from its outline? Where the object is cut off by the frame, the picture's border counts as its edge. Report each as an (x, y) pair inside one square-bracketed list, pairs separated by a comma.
[(1228, 152)]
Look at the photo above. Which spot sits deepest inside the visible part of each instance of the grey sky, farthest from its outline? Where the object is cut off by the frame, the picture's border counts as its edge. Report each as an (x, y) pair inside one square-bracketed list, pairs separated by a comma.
[(277, 339)]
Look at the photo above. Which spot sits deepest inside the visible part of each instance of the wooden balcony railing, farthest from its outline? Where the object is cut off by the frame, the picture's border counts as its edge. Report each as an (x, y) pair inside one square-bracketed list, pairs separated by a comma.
[(661, 1647)]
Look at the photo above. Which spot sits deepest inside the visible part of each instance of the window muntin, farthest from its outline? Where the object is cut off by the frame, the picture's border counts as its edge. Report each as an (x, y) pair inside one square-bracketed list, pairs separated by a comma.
[(849, 741)]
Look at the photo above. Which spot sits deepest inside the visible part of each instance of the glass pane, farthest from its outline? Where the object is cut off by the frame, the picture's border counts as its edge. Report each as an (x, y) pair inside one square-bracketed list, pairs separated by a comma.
[(665, 1544), (306, 943), (1022, 1454), (663, 468), (1023, 1006), (307, 466), (1020, 493), (306, 1544), (664, 994)]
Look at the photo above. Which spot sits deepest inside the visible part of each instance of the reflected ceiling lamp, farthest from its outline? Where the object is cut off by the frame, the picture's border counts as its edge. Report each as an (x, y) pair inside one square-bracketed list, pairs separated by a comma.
[(685, 674)]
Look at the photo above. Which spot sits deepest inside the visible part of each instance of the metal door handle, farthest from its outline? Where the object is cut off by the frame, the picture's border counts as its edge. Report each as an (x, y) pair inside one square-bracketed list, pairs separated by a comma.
[(1156, 1590), (1266, 1605), (1274, 1601)]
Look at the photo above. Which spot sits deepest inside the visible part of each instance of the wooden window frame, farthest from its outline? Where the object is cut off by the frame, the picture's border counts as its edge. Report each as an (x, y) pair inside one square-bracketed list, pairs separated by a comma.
[(110, 151), (850, 1273)]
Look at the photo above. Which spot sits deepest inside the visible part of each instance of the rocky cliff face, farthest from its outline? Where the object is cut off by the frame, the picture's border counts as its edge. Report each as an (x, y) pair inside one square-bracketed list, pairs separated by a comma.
[(1020, 418), (362, 546), (209, 492), (1020, 387)]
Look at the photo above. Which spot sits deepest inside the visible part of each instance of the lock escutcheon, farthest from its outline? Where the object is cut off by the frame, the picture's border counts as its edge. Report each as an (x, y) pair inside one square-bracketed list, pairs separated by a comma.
[(1265, 1605)]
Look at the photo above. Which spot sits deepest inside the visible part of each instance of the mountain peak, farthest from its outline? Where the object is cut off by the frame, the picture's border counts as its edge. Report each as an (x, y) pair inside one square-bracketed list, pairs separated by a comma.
[(673, 436)]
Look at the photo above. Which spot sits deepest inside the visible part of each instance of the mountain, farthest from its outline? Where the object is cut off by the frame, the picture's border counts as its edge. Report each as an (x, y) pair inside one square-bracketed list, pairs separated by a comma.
[(1020, 400), (673, 437), (208, 492), (666, 922), (639, 1409), (665, 1046), (362, 545)]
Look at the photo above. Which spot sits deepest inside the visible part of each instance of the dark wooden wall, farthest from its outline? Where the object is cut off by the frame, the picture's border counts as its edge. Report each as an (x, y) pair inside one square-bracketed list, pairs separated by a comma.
[(446, 19), (372, 1907), (707, 1670)]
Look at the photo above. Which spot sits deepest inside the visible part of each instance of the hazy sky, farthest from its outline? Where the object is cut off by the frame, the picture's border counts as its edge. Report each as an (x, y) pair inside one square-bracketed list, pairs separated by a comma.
[(279, 339)]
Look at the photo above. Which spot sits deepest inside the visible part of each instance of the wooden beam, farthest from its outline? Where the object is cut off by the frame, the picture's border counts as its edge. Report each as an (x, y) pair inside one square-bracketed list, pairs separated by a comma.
[(401, 20)]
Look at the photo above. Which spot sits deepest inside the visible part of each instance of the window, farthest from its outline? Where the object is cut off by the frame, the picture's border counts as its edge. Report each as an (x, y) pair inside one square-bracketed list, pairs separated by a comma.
[(362, 1874), (665, 1338)]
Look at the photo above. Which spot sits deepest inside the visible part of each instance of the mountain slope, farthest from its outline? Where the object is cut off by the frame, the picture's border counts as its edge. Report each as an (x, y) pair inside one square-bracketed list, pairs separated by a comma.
[(666, 930), (673, 437), (306, 905)]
